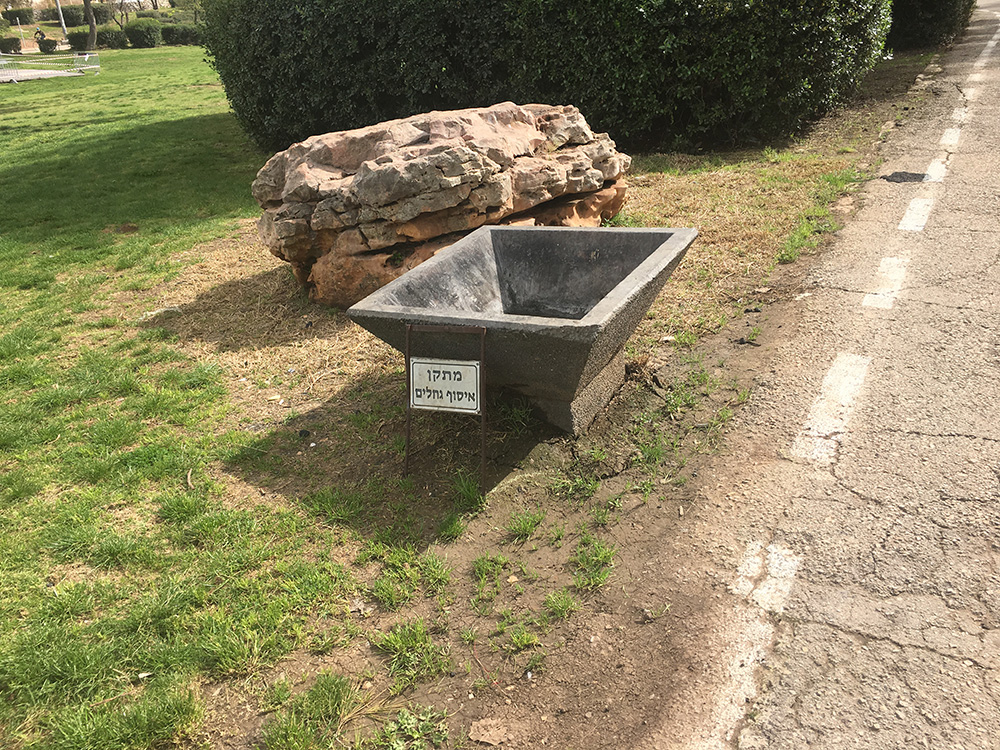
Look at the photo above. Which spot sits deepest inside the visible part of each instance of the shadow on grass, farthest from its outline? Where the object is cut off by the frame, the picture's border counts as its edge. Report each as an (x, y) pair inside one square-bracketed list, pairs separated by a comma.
[(343, 461), (159, 180), (252, 312)]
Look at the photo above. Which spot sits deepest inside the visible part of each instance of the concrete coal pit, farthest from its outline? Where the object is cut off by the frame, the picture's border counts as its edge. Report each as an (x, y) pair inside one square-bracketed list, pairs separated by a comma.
[(558, 305)]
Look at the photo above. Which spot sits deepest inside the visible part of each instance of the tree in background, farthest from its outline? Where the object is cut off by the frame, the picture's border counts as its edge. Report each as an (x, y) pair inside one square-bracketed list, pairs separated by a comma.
[(88, 13), (192, 5), (120, 12)]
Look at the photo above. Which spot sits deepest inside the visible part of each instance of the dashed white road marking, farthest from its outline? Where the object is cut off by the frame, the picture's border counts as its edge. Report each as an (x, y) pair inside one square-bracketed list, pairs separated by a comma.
[(916, 215), (987, 52), (764, 581), (827, 422), (937, 170), (951, 137), (892, 273), (960, 115), (975, 78), (971, 94)]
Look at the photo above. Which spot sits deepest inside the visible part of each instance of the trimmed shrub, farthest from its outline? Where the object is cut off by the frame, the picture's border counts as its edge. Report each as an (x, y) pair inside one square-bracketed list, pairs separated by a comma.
[(22, 15), (10, 45), (77, 39), (72, 15), (181, 33), (4, 26), (662, 73), (47, 46), (144, 32), (102, 13), (148, 14), (111, 37), (927, 23), (108, 37)]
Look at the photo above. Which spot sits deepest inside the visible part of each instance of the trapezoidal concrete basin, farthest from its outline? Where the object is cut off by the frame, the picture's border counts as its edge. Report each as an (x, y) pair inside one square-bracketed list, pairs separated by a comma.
[(558, 305)]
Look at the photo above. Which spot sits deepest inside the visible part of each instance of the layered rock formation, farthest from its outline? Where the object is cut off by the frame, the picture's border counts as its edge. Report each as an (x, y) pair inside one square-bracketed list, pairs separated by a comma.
[(353, 210)]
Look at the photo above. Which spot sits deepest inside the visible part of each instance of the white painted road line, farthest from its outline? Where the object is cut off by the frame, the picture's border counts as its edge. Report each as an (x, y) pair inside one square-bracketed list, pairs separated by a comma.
[(960, 115), (951, 137), (893, 273), (826, 424), (987, 52), (937, 170), (763, 583), (916, 215)]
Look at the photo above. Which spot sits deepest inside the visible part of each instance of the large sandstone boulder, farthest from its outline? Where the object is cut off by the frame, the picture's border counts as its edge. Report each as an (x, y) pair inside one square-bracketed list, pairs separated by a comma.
[(353, 210)]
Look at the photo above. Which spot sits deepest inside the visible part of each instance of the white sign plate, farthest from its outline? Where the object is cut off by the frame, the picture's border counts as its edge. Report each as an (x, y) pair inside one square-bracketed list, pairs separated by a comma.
[(444, 385)]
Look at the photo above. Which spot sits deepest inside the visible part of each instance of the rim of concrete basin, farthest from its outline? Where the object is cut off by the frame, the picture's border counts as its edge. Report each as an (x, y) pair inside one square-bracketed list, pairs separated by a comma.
[(384, 302)]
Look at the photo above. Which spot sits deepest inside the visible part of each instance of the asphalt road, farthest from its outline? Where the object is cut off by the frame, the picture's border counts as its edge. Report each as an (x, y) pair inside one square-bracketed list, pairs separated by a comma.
[(851, 534)]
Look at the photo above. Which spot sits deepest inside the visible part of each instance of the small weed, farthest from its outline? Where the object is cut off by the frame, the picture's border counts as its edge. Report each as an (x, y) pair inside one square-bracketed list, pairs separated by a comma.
[(451, 528), (413, 655), (277, 695), (522, 525), (287, 731), (486, 571), (627, 219), (721, 418), (655, 613), (326, 640), (592, 561), (469, 635), (560, 604), (513, 416), (415, 729), (597, 454), (314, 717), (520, 639), (645, 489), (652, 451), (556, 535), (435, 573), (468, 499), (752, 334), (600, 515), (578, 488), (685, 339), (536, 662)]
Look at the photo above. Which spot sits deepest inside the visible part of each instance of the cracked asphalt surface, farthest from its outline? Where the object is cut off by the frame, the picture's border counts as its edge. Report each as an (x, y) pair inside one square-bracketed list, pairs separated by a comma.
[(849, 536)]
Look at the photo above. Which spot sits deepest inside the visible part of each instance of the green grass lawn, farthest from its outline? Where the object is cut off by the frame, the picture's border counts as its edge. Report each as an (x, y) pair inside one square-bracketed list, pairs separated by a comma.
[(118, 582)]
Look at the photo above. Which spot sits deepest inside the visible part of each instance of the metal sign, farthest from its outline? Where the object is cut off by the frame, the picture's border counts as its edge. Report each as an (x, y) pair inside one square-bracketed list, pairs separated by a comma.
[(445, 385)]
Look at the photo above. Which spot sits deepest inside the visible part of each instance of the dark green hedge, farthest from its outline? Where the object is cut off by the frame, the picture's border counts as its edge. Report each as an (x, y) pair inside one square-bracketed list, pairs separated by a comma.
[(144, 32), (181, 33), (14, 15), (111, 37), (4, 26), (10, 45), (927, 23), (102, 13), (72, 15), (108, 37), (656, 73), (47, 46)]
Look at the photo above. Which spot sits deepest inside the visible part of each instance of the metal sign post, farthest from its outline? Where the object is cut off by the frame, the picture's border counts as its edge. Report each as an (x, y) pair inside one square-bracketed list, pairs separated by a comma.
[(446, 385)]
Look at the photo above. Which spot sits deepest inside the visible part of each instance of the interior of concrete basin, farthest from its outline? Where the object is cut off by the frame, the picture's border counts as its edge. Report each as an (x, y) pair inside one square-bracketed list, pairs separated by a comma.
[(513, 271), (564, 274)]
